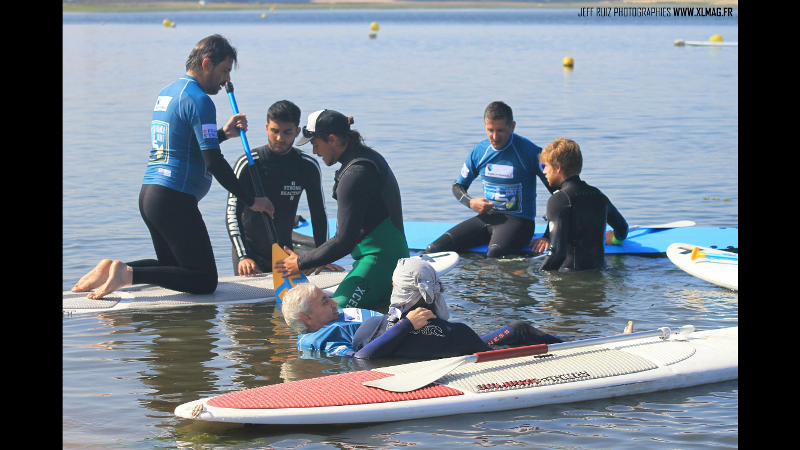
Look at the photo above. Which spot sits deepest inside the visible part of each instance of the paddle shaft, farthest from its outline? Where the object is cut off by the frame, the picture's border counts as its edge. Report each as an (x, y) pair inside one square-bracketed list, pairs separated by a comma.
[(259, 188), (416, 379), (494, 355)]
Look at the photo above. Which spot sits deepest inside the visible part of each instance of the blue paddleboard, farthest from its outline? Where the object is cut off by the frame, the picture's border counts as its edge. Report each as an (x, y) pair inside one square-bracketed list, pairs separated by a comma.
[(640, 240)]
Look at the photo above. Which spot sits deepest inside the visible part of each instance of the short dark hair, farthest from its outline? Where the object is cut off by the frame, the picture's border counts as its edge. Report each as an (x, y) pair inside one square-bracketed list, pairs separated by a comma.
[(284, 111), (214, 47), (497, 111)]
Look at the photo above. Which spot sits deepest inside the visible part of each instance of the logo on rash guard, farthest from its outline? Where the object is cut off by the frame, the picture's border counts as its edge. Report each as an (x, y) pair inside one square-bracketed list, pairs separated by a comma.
[(464, 171), (162, 102), (209, 131)]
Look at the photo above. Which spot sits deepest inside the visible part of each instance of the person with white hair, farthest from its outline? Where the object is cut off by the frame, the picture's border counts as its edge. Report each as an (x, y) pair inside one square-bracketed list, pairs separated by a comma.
[(321, 324), (416, 325)]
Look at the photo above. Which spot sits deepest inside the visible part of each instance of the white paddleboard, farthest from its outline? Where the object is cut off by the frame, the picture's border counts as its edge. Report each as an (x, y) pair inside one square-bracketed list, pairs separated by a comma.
[(722, 272), (230, 290), (589, 373)]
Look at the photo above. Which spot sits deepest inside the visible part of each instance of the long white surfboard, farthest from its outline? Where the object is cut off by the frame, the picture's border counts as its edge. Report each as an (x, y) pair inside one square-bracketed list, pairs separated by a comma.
[(588, 373), (230, 290)]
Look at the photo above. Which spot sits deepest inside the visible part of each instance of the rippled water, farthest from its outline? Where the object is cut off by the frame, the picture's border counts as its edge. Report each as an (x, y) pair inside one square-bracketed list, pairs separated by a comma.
[(658, 125)]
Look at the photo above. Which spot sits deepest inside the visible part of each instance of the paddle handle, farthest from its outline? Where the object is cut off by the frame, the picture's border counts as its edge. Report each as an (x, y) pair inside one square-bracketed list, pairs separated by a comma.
[(540, 349), (494, 355), (259, 188)]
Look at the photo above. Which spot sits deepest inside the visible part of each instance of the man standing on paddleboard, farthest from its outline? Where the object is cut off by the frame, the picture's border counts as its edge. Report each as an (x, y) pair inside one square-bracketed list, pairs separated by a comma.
[(286, 172), (508, 165), (369, 219), (577, 213), (184, 154)]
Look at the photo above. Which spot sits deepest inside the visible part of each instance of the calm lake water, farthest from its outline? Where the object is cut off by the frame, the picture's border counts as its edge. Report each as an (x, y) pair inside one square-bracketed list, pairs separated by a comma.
[(658, 126)]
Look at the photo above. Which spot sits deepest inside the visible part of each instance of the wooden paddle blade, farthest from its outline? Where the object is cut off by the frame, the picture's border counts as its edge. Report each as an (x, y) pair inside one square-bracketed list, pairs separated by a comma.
[(418, 379), (281, 284)]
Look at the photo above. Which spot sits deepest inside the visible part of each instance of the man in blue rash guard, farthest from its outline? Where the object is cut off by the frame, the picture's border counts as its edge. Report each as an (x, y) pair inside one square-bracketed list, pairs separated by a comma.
[(577, 213), (185, 153), (508, 165), (415, 332)]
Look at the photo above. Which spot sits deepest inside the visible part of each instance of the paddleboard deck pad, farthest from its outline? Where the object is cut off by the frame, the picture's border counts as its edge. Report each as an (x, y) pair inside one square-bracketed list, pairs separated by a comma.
[(639, 241), (722, 272), (587, 373), (230, 290)]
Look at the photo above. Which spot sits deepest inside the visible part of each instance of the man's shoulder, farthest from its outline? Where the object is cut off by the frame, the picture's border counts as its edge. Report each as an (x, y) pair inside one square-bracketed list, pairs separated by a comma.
[(525, 143)]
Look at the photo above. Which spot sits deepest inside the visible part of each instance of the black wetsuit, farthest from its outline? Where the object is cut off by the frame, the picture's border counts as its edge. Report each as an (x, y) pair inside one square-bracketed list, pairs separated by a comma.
[(376, 338), (369, 226), (284, 178), (577, 215)]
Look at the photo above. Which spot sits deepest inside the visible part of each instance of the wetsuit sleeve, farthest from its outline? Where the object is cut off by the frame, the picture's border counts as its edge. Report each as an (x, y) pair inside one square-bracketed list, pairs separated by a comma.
[(618, 223), (316, 204), (219, 167), (235, 208), (558, 214), (385, 344), (460, 192), (356, 189)]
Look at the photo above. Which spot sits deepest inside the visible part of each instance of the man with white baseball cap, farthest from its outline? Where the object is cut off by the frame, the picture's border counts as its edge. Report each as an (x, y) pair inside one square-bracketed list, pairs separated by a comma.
[(369, 221)]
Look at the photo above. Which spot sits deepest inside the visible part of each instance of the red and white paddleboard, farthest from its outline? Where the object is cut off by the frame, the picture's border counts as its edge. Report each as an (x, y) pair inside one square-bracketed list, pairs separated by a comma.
[(587, 373)]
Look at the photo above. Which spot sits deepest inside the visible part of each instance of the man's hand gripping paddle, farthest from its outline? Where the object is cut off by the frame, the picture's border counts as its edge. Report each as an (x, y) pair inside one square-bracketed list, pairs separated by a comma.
[(281, 285)]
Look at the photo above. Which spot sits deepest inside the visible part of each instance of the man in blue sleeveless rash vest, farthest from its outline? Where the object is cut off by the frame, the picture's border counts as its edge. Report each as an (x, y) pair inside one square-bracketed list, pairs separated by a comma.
[(285, 172), (184, 155), (508, 165), (413, 331), (369, 219), (577, 213)]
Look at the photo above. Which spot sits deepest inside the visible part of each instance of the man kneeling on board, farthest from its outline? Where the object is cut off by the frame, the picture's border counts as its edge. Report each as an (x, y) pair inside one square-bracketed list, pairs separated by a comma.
[(415, 327), (577, 213)]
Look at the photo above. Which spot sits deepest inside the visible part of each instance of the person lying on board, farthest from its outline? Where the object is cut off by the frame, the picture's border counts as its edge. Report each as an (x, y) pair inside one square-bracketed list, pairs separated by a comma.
[(508, 164), (577, 214), (416, 331), (285, 173)]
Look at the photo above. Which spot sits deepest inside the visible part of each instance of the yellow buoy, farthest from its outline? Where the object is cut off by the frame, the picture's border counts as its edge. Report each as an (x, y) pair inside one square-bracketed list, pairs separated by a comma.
[(567, 61), (166, 22), (374, 26), (715, 38), (263, 15)]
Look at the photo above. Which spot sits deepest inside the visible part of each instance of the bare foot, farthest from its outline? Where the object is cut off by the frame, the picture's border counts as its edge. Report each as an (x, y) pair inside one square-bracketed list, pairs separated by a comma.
[(119, 275), (629, 328), (94, 278)]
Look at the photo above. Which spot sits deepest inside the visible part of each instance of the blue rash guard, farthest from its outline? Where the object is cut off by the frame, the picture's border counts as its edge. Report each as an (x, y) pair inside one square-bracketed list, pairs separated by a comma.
[(336, 337), (508, 174), (182, 115)]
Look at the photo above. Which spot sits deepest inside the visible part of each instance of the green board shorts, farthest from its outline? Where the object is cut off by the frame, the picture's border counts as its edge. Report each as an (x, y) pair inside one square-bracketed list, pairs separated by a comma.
[(369, 284)]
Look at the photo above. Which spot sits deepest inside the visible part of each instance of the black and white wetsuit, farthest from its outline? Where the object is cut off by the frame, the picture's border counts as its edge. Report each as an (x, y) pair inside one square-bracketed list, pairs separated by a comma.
[(284, 178)]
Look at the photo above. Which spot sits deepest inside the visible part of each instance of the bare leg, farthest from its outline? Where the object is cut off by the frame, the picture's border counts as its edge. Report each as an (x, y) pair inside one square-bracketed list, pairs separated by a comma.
[(119, 275), (628, 329), (94, 278)]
